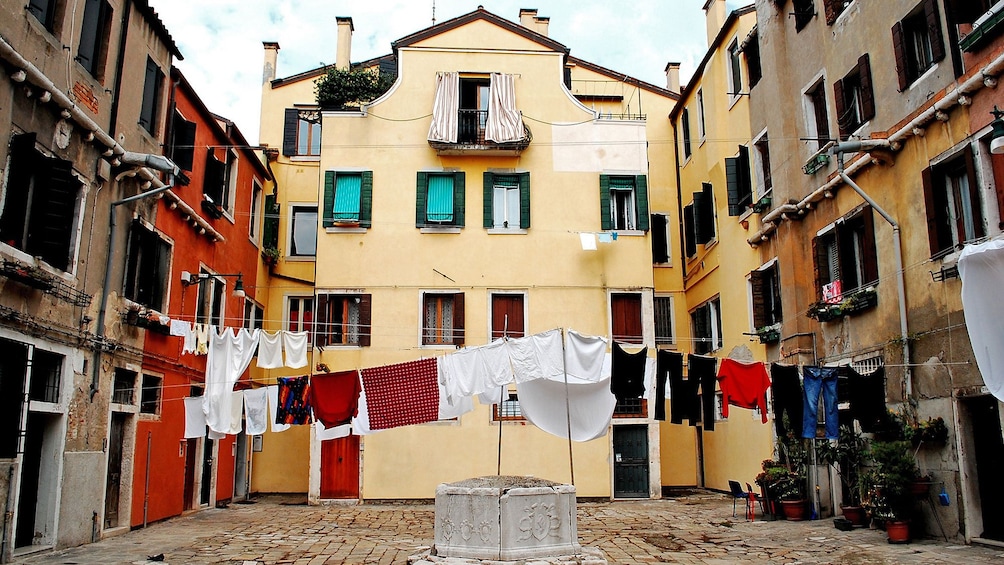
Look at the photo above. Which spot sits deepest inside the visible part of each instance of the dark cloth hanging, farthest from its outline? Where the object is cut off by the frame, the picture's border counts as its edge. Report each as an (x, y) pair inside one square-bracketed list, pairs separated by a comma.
[(867, 398), (334, 397), (704, 370), (627, 373), (787, 391), (668, 365), (294, 401)]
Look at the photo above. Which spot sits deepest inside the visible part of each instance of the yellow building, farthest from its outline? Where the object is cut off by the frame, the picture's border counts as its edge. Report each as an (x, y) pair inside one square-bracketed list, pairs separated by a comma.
[(727, 288), (416, 243)]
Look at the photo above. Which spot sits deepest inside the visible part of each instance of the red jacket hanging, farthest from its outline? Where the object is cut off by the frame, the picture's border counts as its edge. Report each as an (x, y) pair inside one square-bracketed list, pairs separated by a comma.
[(744, 385)]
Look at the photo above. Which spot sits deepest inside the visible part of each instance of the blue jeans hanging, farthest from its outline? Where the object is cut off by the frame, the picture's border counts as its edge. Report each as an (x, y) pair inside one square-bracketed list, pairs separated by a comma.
[(814, 381)]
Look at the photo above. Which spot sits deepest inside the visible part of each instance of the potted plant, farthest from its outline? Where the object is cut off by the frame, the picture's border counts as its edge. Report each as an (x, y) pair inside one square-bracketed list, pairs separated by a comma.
[(772, 474), (890, 497), (270, 256), (849, 456), (791, 490), (769, 334)]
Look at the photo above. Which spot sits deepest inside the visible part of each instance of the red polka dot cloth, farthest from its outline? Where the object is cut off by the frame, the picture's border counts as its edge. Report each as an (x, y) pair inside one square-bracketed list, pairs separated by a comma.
[(402, 395)]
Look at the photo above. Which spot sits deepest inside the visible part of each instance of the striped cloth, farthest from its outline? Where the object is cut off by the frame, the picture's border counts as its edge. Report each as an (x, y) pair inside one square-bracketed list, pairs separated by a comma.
[(402, 395)]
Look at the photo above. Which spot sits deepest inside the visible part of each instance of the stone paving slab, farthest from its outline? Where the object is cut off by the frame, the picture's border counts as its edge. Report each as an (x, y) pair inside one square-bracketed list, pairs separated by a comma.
[(693, 529)]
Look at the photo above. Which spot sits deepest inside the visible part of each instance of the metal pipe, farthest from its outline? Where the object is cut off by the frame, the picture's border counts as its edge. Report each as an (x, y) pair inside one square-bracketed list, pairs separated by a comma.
[(146, 485), (838, 152)]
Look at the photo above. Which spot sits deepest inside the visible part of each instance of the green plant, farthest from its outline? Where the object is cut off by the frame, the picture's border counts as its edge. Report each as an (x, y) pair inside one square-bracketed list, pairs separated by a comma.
[(270, 255), (849, 456), (895, 469), (350, 87)]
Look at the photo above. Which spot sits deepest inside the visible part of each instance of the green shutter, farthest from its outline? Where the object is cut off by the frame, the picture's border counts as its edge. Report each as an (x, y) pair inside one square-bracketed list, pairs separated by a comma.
[(366, 200), (732, 185), (421, 197), (270, 224), (347, 197), (327, 220), (459, 197), (489, 185), (605, 220), (524, 200), (641, 201)]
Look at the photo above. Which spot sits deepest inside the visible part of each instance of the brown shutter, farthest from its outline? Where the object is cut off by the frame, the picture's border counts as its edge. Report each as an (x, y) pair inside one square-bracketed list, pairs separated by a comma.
[(832, 10), (365, 320), (458, 319), (869, 258), (756, 290), (838, 101), (974, 190), (821, 266), (930, 206), (899, 48), (867, 95), (322, 325), (934, 30)]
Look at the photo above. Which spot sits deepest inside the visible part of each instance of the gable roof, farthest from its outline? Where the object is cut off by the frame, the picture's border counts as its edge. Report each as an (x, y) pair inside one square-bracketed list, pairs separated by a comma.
[(479, 14)]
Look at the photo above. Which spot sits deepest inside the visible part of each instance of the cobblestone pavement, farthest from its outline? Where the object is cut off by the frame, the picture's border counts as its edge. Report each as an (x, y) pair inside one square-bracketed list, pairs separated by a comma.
[(697, 528)]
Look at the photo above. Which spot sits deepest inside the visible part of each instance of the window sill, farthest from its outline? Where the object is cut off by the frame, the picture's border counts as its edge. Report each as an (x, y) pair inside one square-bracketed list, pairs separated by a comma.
[(305, 158), (444, 347), (627, 233), (346, 230), (450, 229), (300, 258), (915, 83), (338, 346), (506, 231), (128, 408), (43, 406)]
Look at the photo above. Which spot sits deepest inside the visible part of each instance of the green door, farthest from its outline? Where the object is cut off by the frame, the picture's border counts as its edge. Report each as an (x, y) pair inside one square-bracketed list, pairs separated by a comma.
[(631, 461)]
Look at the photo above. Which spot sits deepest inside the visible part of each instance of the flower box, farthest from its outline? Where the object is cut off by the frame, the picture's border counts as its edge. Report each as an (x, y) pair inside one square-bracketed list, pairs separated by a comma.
[(27, 275)]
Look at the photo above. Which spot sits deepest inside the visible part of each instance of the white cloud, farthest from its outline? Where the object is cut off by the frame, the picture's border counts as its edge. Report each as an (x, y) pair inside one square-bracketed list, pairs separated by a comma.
[(222, 39)]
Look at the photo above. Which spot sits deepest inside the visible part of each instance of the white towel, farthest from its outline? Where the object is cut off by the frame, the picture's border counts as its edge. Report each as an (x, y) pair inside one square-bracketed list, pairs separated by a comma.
[(270, 350), (361, 421), (273, 405), (236, 412), (295, 344), (195, 418), (588, 241), (255, 411), (584, 357), (179, 328)]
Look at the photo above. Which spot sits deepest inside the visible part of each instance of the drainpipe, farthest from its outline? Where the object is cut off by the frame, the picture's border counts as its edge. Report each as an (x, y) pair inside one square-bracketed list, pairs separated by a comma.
[(157, 162), (838, 151)]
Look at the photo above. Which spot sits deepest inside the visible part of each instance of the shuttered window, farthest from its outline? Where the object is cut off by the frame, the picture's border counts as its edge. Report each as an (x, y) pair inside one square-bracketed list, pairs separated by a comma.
[(854, 98), (303, 231), (443, 318), (44, 11), (343, 319), (625, 317), (92, 49), (833, 8), (751, 48), (847, 253), (804, 11), (918, 42), (301, 132), (765, 291), (624, 202), (689, 230), (270, 223), (148, 263), (704, 214), (706, 322), (685, 133), (664, 320), (954, 209), (506, 201), (348, 198), (152, 87), (182, 142), (660, 238), (739, 184), (440, 199)]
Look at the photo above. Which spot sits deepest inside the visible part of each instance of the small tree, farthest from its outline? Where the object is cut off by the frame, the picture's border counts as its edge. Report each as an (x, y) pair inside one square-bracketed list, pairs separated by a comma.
[(848, 456), (350, 87)]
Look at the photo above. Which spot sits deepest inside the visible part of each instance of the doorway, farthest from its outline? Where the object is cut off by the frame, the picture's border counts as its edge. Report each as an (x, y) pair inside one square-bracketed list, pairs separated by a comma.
[(630, 461), (340, 468), (116, 437), (191, 455), (987, 447), (205, 493), (241, 467)]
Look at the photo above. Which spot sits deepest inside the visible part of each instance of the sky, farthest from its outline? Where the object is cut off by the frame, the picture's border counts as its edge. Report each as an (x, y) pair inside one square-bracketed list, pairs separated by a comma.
[(221, 40)]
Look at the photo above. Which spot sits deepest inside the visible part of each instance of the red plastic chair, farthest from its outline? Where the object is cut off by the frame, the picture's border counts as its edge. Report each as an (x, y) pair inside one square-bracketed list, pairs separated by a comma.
[(750, 502)]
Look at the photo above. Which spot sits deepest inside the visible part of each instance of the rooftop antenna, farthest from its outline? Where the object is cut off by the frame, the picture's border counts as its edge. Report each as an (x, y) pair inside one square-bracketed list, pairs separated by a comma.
[(433, 12)]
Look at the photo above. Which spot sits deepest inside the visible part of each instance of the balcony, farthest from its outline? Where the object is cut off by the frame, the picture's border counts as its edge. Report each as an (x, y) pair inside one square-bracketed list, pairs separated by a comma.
[(471, 138)]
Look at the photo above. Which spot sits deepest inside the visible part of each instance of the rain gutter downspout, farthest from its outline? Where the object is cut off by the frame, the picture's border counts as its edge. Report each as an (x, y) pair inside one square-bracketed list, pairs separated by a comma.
[(99, 331), (838, 151)]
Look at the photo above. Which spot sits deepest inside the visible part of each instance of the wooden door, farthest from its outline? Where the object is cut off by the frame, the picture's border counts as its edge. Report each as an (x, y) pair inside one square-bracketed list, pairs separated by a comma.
[(114, 475), (625, 317), (507, 315), (191, 455), (630, 461), (340, 467)]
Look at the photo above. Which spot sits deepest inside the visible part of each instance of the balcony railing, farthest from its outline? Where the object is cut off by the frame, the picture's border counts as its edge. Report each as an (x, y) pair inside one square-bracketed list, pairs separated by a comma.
[(471, 125)]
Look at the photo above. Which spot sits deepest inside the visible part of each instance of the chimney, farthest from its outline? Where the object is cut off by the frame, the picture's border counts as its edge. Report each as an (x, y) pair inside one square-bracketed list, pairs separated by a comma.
[(528, 18), (343, 49), (673, 77), (715, 13), (271, 56)]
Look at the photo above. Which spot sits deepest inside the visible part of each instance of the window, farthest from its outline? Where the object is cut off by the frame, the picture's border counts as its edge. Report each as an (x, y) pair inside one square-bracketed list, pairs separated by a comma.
[(761, 165), (701, 132), (624, 202), (833, 8), (735, 70), (846, 253), (40, 204), (219, 183), (212, 297), (817, 121), (751, 48), (440, 200), (150, 395), (182, 149), (253, 314), (343, 319), (685, 131), (804, 11), (148, 266), (92, 51), (917, 42), (507, 201), (46, 370), (302, 132), (954, 210), (689, 230), (739, 185), (348, 199), (300, 315), (270, 223), (660, 239), (765, 290), (625, 317), (507, 315), (508, 409), (123, 385), (854, 99), (699, 219), (442, 318), (303, 231), (255, 219), (45, 12), (664, 334), (706, 320), (152, 87), (473, 117)]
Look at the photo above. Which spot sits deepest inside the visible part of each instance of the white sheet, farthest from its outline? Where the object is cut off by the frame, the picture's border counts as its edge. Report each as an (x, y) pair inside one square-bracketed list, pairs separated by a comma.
[(981, 268)]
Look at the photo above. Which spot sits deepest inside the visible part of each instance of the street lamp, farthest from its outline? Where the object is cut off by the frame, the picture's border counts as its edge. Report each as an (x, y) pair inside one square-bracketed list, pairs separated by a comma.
[(997, 137), (188, 279)]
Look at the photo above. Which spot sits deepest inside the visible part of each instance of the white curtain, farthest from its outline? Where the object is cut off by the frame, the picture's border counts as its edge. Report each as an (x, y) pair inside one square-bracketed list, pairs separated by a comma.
[(446, 108), (505, 124), (981, 268)]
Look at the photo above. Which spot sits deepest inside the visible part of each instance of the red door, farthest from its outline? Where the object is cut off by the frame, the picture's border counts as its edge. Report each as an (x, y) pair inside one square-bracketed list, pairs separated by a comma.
[(340, 467)]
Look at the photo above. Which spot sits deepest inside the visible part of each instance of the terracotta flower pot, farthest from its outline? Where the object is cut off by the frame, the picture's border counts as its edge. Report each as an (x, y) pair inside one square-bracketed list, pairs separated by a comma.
[(897, 531), (794, 510), (856, 514)]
